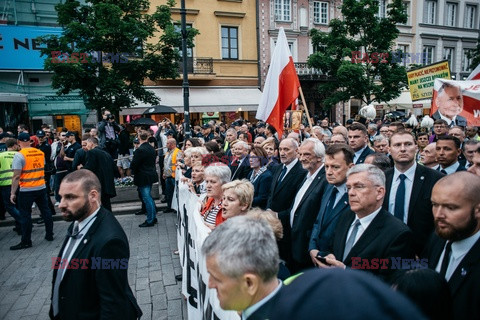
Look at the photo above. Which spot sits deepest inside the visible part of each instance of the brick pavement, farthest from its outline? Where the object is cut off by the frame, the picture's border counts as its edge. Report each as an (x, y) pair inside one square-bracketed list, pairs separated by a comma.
[(26, 275)]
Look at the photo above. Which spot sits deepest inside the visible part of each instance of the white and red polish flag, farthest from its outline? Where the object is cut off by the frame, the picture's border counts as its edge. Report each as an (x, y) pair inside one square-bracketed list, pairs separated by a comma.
[(475, 75), (281, 85)]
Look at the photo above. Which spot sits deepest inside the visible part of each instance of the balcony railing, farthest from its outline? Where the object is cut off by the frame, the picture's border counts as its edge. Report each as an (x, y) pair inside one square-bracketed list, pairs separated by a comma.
[(198, 66), (304, 70)]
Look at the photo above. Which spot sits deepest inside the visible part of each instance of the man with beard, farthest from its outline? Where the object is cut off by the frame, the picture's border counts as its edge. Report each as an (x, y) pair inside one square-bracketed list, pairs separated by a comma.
[(90, 273), (454, 249)]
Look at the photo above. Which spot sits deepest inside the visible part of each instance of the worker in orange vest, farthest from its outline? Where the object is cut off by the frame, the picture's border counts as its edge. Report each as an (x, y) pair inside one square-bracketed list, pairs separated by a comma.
[(28, 173)]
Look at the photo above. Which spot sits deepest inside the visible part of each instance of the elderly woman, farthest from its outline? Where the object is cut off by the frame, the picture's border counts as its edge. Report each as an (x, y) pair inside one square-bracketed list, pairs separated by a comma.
[(197, 183), (271, 148), (237, 198), (216, 175), (260, 177), (197, 154)]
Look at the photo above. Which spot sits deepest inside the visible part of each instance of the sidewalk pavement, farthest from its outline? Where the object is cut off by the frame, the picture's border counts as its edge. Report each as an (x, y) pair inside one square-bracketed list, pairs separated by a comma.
[(26, 275)]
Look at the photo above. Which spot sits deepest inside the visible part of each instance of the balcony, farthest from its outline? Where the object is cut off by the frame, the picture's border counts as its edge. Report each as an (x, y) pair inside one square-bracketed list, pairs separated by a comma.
[(198, 66), (306, 73)]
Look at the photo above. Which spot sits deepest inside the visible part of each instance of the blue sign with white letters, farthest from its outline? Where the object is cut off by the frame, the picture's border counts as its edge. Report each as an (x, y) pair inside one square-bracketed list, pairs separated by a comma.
[(18, 48)]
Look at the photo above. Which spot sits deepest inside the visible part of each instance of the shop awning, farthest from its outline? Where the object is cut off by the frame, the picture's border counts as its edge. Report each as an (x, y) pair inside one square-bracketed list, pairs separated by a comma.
[(204, 99), (56, 105), (404, 101), (13, 97)]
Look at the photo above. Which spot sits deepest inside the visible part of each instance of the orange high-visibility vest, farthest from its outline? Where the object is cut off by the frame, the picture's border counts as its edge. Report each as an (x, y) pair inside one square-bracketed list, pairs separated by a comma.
[(33, 172), (174, 161)]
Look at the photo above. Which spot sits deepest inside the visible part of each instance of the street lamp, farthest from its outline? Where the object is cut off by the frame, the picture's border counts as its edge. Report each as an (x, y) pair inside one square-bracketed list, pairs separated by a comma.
[(185, 85)]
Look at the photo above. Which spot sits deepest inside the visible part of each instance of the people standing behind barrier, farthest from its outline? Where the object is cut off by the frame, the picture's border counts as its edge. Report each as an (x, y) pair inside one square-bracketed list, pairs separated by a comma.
[(58, 154), (107, 131), (28, 174), (101, 163), (197, 156), (260, 177), (70, 151), (237, 198), (6, 175), (81, 155), (216, 175), (170, 165), (124, 147), (242, 260)]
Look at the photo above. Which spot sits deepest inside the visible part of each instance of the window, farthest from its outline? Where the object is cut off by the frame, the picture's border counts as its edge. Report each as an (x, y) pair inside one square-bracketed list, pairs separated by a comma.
[(283, 10), (178, 29), (470, 12), (448, 53), (430, 10), (466, 60), (382, 8), (320, 12), (229, 43), (406, 6), (428, 52), (451, 14), (404, 56)]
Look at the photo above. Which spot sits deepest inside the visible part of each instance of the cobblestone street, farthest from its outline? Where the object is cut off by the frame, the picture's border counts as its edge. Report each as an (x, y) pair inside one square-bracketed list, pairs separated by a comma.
[(26, 275)]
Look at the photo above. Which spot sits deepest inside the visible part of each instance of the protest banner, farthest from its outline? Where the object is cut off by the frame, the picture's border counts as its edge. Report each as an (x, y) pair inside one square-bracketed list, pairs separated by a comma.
[(421, 81), (202, 302), (459, 100)]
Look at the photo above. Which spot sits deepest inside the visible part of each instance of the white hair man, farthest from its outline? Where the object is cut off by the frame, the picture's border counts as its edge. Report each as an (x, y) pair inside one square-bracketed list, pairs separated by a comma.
[(242, 260)]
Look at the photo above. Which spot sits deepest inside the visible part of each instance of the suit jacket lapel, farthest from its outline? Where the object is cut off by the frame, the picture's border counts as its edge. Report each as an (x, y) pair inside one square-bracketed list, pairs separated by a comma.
[(418, 181), (388, 183), (280, 184), (342, 204), (322, 214), (369, 235), (464, 268), (312, 186)]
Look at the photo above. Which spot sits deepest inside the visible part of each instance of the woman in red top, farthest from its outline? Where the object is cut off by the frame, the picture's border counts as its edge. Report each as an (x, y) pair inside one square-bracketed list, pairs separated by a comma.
[(216, 175)]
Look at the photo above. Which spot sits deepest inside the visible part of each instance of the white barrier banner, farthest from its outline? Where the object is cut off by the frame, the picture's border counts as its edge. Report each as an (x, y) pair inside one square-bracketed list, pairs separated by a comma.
[(202, 302)]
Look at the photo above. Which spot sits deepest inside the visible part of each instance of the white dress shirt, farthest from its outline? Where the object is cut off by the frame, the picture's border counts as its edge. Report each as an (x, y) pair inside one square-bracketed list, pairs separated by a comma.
[(459, 251), (410, 174), (290, 166), (452, 169), (302, 191), (449, 121), (83, 228), (342, 189), (364, 223), (358, 154)]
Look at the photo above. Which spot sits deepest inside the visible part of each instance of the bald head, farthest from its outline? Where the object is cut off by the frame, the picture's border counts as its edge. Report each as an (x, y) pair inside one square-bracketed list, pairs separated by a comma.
[(456, 181), (171, 143)]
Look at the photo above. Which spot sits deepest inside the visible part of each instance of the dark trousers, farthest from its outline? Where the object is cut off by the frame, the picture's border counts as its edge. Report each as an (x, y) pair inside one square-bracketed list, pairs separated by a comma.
[(58, 180), (106, 202), (25, 200), (169, 189), (10, 207), (162, 181)]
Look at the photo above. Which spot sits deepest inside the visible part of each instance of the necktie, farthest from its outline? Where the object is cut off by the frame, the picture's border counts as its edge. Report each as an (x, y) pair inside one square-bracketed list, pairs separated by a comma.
[(351, 239), (399, 210), (60, 272), (282, 174), (446, 259), (443, 171), (331, 201)]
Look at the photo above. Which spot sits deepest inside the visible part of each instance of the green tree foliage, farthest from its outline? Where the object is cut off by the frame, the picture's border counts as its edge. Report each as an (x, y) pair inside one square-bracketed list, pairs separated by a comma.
[(375, 76), (121, 32)]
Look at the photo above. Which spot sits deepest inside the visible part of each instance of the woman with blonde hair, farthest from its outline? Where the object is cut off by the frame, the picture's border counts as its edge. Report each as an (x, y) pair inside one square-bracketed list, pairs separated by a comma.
[(237, 198)]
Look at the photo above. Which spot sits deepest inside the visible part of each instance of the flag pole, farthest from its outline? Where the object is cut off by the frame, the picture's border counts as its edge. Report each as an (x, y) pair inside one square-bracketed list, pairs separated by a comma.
[(306, 112)]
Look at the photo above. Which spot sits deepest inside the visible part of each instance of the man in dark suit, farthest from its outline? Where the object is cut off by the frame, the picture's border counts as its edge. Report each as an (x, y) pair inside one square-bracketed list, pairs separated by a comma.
[(358, 141), (298, 220), (101, 163), (242, 260), (90, 273), (448, 149), (409, 199), (449, 102), (241, 167), (144, 175), (454, 249), (338, 159), (369, 237)]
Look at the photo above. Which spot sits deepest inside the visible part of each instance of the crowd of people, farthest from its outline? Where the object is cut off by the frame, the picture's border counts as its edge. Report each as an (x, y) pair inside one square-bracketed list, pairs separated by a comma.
[(385, 197)]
